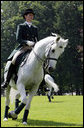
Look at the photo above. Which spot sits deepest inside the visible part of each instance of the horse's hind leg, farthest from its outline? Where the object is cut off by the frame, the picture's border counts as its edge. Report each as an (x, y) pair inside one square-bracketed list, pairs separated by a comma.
[(21, 90), (7, 102), (49, 94)]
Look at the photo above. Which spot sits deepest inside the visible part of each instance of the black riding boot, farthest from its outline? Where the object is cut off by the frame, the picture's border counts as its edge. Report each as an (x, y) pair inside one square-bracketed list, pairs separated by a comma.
[(9, 75)]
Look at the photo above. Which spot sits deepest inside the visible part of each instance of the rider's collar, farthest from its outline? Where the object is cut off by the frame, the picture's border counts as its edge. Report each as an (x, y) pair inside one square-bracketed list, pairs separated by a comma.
[(28, 23)]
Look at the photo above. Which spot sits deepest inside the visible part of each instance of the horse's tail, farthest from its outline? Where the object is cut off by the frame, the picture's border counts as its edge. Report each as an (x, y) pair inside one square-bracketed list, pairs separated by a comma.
[(50, 82)]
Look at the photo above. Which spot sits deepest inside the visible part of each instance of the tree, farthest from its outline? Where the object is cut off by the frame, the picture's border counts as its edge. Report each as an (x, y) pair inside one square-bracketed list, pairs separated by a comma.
[(62, 17)]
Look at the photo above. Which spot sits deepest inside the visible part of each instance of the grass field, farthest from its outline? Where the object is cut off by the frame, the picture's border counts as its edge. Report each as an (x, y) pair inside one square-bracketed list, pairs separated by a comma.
[(63, 111)]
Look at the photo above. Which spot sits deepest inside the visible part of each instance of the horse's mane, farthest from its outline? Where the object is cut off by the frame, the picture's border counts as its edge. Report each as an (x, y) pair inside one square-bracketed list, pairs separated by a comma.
[(44, 40)]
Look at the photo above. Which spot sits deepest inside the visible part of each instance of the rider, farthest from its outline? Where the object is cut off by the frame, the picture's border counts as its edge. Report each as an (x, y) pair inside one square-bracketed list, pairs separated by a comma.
[(27, 36)]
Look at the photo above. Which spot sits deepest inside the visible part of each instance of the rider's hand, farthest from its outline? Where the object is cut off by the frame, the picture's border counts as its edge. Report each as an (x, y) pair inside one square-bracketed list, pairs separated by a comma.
[(30, 43)]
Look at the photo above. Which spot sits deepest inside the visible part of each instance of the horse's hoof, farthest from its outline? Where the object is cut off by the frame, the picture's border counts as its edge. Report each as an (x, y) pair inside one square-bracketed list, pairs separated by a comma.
[(25, 123), (5, 119), (14, 118), (12, 115)]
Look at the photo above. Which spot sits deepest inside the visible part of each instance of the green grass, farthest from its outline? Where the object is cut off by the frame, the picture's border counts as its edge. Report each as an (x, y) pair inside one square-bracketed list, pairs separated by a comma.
[(63, 111)]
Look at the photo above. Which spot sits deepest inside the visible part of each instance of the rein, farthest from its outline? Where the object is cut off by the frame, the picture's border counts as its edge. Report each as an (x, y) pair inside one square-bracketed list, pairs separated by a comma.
[(43, 60), (51, 59)]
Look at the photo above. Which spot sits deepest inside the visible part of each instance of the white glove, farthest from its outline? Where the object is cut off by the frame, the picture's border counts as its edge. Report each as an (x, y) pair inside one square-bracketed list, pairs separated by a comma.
[(30, 43)]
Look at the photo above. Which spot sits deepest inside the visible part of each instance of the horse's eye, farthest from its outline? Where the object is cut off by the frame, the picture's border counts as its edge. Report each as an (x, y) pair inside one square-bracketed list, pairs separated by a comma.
[(60, 47), (53, 50)]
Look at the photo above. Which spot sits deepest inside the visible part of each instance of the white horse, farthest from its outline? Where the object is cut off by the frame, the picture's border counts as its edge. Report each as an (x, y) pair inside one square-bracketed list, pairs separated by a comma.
[(31, 74)]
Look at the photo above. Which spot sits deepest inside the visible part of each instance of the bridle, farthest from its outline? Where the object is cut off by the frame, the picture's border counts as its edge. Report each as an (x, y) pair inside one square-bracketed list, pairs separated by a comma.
[(46, 63), (46, 59)]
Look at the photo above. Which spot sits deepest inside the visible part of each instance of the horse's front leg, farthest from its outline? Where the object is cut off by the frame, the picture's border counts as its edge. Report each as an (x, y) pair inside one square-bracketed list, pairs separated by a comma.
[(7, 102), (17, 101), (27, 107), (50, 82)]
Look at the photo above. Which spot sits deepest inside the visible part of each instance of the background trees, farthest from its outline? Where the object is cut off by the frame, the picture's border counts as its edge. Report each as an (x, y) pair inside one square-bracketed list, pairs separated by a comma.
[(62, 17)]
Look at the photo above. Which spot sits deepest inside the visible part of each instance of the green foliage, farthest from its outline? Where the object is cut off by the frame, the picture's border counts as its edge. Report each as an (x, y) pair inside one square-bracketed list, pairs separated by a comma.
[(62, 17)]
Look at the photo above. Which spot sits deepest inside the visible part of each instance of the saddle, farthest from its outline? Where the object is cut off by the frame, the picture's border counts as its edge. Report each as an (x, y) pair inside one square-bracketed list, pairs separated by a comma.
[(21, 58)]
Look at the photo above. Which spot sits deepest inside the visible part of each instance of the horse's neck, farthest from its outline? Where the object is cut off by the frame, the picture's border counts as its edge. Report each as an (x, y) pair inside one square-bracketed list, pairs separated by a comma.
[(39, 50), (40, 47)]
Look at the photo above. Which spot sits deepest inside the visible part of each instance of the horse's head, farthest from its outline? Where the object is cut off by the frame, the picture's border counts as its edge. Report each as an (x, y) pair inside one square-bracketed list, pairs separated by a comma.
[(54, 50)]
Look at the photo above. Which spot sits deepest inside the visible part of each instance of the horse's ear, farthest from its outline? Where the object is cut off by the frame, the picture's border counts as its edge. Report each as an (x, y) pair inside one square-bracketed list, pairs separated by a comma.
[(53, 34), (58, 38)]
